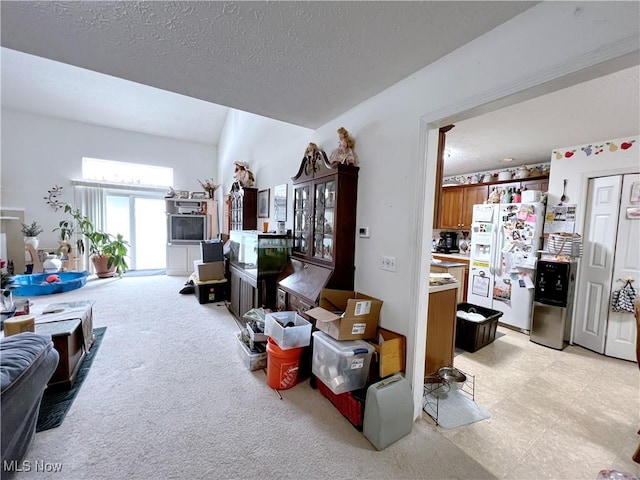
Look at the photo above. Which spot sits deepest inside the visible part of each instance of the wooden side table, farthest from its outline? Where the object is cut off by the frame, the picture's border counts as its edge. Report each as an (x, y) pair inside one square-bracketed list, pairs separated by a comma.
[(68, 341)]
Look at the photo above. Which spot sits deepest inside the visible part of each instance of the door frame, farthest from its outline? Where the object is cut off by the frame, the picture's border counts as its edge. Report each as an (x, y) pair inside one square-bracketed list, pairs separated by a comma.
[(571, 72)]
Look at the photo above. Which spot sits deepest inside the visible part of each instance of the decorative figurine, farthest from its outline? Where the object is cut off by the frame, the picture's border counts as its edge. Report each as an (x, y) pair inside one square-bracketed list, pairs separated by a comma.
[(344, 153), (242, 176)]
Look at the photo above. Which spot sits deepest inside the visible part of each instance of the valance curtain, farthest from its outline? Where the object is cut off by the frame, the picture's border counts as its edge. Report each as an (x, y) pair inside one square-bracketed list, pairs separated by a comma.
[(92, 202)]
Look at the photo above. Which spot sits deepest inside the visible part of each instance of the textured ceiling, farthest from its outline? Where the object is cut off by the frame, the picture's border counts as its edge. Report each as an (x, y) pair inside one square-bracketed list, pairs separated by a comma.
[(300, 62), (601, 109)]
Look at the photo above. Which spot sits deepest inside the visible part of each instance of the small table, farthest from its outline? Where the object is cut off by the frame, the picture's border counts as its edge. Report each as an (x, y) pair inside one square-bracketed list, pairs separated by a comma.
[(70, 325), (67, 339)]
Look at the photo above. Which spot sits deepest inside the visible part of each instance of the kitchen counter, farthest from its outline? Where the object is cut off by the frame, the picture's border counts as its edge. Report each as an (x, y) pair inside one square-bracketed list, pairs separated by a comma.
[(452, 256), (446, 264), (442, 288)]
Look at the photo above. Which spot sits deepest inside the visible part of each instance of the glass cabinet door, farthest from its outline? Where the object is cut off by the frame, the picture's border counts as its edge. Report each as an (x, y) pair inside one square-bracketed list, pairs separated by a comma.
[(301, 216), (324, 202)]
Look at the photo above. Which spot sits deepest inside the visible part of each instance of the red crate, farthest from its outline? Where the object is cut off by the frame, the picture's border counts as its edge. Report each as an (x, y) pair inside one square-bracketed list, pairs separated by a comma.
[(349, 404)]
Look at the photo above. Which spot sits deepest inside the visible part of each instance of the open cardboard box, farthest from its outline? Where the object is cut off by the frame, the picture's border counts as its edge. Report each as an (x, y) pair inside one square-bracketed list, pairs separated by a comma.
[(389, 356), (346, 315)]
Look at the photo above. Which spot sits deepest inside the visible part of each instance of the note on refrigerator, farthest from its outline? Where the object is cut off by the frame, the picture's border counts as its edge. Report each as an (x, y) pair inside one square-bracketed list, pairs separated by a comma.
[(483, 213)]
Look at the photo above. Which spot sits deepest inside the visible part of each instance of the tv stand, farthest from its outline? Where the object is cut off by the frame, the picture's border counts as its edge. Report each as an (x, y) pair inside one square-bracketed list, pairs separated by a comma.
[(180, 258)]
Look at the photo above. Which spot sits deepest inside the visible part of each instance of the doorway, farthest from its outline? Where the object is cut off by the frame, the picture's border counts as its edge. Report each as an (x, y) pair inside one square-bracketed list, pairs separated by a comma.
[(611, 257), (142, 221)]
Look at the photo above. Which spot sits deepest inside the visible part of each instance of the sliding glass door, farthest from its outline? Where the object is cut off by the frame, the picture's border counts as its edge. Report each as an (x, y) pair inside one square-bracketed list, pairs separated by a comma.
[(142, 221)]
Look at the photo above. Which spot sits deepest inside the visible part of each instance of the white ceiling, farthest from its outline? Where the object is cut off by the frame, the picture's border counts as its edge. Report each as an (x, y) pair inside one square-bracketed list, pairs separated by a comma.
[(165, 68)]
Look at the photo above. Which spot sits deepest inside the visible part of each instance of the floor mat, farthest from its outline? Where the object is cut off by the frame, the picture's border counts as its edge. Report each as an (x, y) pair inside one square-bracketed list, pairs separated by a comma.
[(453, 408)]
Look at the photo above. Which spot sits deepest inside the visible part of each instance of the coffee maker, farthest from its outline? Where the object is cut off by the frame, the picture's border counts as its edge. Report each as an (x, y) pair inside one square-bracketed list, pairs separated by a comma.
[(448, 243)]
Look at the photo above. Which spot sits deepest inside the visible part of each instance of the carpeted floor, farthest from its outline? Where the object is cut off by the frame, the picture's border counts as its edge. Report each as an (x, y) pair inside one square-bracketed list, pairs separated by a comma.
[(144, 273), (169, 397), (55, 405)]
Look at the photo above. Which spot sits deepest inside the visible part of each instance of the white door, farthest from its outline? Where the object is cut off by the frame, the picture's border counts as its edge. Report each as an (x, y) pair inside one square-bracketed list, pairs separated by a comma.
[(621, 327), (594, 286)]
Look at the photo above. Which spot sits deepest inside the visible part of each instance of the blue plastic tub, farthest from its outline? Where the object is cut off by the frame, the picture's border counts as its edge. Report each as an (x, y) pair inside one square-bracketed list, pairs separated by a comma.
[(36, 284)]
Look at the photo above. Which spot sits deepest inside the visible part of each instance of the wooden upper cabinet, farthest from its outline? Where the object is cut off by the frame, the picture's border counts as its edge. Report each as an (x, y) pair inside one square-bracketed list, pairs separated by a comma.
[(472, 196), (450, 207), (457, 204), (541, 184)]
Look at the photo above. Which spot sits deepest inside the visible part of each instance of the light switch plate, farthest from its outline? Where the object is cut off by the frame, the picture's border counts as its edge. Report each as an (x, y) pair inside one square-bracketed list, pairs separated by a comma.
[(363, 232)]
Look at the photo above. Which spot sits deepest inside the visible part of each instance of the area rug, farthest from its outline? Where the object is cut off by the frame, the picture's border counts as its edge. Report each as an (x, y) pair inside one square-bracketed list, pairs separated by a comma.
[(55, 405), (453, 408)]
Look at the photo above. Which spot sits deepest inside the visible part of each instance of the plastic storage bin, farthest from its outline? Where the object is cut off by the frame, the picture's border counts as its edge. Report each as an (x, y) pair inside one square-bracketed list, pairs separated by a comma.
[(298, 334), (349, 404), (253, 360), (342, 366), (472, 336)]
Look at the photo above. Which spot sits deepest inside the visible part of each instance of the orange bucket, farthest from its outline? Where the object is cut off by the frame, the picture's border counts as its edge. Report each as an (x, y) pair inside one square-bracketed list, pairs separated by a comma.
[(282, 366)]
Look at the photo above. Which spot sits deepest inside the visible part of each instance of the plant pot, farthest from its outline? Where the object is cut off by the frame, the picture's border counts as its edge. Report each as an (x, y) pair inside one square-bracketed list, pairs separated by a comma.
[(33, 241), (100, 263)]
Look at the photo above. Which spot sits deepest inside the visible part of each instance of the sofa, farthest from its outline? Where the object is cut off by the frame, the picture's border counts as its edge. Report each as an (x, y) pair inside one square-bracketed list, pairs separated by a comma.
[(27, 361)]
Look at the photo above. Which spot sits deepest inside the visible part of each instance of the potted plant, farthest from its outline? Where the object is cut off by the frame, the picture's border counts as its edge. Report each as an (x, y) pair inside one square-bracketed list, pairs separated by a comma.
[(108, 252), (31, 233)]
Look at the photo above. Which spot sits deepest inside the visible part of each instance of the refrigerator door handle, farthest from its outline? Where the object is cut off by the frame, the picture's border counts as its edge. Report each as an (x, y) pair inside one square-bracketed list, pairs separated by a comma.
[(497, 258), (494, 244)]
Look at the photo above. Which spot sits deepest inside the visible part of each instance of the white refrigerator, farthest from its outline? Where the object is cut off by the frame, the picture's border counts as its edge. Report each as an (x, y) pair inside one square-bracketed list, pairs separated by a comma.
[(505, 239)]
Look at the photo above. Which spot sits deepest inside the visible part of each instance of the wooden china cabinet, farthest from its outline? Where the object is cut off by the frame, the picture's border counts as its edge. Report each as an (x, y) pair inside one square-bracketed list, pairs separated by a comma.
[(324, 232), (244, 209)]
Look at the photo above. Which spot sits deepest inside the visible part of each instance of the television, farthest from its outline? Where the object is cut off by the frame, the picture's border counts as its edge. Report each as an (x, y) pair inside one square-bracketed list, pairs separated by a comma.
[(184, 229)]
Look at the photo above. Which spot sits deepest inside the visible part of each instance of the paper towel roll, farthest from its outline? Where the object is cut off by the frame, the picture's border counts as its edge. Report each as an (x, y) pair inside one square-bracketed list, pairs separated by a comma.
[(22, 323)]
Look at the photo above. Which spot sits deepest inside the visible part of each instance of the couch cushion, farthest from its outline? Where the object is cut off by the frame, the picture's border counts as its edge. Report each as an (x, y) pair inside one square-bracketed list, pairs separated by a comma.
[(18, 352)]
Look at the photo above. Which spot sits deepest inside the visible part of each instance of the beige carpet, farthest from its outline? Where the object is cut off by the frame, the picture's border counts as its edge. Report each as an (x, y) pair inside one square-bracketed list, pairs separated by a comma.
[(169, 398)]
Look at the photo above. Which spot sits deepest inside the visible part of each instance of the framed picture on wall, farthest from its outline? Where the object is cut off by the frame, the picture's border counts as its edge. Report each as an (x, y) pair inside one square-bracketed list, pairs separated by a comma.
[(263, 203), (280, 202)]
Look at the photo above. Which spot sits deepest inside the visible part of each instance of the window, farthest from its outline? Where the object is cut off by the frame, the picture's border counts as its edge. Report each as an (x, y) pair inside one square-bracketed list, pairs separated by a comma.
[(127, 173)]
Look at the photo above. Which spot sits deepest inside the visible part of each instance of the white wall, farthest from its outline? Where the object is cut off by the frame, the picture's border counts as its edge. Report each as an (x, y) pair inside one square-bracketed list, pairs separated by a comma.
[(585, 163), (40, 152), (397, 160)]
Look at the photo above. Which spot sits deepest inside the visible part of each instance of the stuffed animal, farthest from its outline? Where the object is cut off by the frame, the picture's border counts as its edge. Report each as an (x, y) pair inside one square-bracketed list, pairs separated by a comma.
[(242, 175)]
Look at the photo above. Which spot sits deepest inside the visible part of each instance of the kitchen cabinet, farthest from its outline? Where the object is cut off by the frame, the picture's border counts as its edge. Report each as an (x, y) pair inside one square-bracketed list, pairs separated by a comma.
[(244, 209), (324, 217), (441, 327), (457, 205), (457, 258), (456, 270), (541, 184)]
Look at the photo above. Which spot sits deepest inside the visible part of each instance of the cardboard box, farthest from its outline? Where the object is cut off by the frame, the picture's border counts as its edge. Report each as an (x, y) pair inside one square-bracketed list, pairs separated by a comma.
[(208, 271), (346, 315), (211, 291), (389, 356)]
